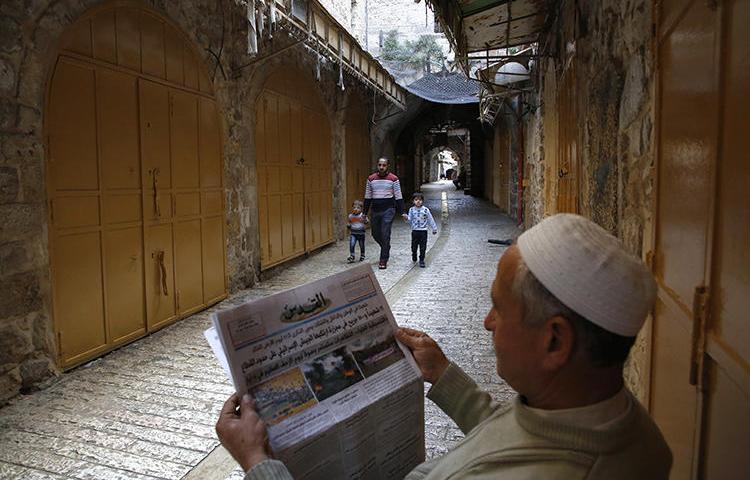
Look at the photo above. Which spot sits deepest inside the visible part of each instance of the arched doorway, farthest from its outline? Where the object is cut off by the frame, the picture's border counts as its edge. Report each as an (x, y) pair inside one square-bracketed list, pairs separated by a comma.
[(293, 152), (134, 180)]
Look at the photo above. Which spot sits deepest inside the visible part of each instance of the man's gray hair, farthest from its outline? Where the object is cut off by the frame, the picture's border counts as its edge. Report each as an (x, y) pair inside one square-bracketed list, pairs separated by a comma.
[(539, 304), (603, 347)]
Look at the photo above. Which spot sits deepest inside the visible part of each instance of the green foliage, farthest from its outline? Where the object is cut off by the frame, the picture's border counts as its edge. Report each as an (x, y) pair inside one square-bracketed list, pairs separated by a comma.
[(423, 53)]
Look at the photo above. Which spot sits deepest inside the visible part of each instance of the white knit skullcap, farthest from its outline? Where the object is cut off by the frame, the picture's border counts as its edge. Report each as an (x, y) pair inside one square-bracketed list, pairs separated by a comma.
[(589, 271)]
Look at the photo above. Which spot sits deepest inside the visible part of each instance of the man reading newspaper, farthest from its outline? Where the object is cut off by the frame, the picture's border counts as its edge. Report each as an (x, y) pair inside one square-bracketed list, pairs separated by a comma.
[(567, 303)]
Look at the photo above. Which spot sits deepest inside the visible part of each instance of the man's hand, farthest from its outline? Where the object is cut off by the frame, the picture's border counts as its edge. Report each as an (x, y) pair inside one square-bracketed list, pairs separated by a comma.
[(430, 358), (367, 219), (243, 434), (405, 216)]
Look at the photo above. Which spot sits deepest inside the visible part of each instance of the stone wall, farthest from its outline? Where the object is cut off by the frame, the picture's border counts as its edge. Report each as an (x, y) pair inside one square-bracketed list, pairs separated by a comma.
[(29, 35), (608, 44), (405, 16)]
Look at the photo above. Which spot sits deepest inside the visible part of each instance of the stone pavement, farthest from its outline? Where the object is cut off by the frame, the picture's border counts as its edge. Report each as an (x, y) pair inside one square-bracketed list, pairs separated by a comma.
[(147, 410)]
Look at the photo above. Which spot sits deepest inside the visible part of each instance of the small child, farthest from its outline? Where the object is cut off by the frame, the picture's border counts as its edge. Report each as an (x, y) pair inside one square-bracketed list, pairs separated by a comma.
[(419, 217), (356, 228)]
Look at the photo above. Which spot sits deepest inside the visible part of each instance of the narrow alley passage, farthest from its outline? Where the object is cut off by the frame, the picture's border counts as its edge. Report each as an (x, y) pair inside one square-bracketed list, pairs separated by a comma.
[(148, 409)]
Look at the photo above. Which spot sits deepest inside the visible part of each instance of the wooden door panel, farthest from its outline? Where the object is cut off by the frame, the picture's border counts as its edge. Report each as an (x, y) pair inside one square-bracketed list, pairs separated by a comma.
[(173, 55), (103, 36), (120, 208), (79, 305), (160, 298), (731, 283), (214, 285), (154, 108), (188, 265), (687, 150), (263, 229), (187, 204), (728, 428), (128, 38), (73, 147), (210, 145), (674, 403), (298, 228), (123, 271), (271, 105), (117, 102), (287, 225), (184, 140), (274, 228), (152, 46)]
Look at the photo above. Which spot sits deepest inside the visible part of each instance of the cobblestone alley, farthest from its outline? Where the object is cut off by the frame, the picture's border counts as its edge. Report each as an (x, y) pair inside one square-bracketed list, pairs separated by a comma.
[(147, 410)]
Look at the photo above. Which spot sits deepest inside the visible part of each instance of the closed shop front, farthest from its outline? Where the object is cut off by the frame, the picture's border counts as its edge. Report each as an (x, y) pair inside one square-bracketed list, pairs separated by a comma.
[(358, 164), (293, 151), (134, 182)]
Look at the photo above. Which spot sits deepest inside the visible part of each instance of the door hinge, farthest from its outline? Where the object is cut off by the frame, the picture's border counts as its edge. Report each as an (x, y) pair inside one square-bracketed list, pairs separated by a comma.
[(700, 326)]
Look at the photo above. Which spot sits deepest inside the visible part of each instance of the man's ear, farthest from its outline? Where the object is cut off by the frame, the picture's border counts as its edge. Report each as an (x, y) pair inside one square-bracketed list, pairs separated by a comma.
[(559, 343)]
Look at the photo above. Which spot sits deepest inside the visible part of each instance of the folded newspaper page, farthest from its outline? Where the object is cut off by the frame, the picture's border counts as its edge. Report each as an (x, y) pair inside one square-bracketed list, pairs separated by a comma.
[(340, 396)]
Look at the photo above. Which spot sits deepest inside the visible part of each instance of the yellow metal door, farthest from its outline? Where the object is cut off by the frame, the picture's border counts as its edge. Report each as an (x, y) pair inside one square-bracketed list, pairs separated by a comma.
[(295, 196), (567, 143), (187, 201), (686, 153), (117, 99), (212, 203), (73, 185), (357, 153), (726, 433), (134, 182), (700, 381), (156, 174)]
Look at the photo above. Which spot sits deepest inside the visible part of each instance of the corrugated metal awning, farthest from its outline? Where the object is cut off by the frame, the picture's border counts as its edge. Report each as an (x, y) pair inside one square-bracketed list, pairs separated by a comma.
[(481, 25)]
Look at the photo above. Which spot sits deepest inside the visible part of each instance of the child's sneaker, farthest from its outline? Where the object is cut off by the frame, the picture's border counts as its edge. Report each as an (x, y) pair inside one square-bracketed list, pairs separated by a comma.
[(350, 259), (362, 258), (421, 263)]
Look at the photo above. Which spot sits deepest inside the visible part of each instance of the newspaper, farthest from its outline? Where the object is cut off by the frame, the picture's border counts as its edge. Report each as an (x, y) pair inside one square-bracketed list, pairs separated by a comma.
[(340, 396)]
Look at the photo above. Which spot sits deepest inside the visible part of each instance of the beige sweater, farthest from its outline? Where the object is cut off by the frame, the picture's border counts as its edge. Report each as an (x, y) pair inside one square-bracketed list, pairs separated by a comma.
[(513, 442)]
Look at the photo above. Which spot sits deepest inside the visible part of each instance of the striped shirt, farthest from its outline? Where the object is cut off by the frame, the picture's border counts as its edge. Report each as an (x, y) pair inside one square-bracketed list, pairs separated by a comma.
[(357, 223), (383, 193)]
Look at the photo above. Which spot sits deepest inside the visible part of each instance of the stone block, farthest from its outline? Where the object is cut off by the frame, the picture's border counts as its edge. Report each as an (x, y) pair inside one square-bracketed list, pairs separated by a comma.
[(17, 149), (16, 257), (10, 34), (35, 371), (7, 77), (42, 334), (20, 294), (15, 342), (9, 184), (8, 113), (10, 385), (19, 221)]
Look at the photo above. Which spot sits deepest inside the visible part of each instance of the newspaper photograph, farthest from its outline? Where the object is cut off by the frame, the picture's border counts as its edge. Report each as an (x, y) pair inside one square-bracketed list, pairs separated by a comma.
[(341, 398)]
